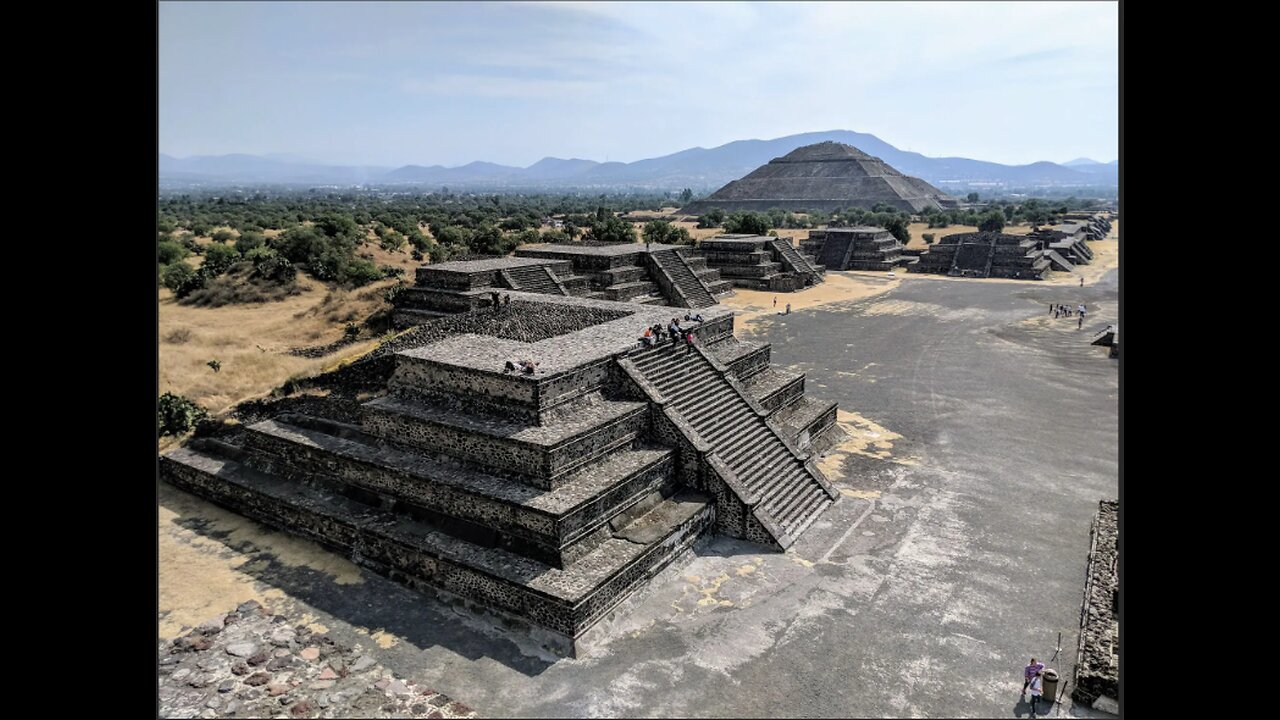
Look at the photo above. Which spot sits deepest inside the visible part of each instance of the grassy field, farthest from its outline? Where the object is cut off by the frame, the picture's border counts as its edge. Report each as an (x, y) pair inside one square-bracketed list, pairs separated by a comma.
[(251, 341)]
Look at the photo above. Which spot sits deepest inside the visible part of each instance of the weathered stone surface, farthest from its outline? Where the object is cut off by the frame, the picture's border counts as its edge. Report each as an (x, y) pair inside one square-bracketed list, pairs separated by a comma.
[(243, 650), (312, 690), (1097, 659)]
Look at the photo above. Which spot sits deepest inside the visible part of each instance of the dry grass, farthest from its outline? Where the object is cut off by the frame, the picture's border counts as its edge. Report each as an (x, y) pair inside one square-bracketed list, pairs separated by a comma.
[(250, 340)]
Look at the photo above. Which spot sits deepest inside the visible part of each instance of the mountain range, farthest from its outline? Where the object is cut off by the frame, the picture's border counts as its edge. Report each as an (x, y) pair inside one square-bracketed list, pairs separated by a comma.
[(698, 168)]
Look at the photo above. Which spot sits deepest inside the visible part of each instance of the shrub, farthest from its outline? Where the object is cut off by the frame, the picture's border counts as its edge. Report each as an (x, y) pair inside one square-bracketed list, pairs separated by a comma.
[(217, 258), (169, 252), (222, 235), (176, 415), (928, 238), (177, 275), (361, 272), (250, 240)]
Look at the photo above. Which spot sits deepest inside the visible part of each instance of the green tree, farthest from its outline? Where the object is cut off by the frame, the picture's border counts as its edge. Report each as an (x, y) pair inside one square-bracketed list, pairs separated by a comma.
[(929, 238), (176, 415), (222, 235), (218, 258), (657, 231), (972, 197), (749, 223), (169, 252), (250, 239), (613, 230), (177, 275), (686, 195), (897, 227), (991, 221)]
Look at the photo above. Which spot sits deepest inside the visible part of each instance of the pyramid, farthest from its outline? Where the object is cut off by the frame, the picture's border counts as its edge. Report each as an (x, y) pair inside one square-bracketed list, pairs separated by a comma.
[(825, 176)]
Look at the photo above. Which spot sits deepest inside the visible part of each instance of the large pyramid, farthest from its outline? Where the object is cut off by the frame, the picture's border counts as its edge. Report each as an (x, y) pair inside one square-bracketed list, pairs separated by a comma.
[(825, 176)]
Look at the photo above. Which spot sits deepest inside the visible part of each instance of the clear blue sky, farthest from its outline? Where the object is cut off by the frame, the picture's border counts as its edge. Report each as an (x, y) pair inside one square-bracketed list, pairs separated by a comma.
[(447, 83)]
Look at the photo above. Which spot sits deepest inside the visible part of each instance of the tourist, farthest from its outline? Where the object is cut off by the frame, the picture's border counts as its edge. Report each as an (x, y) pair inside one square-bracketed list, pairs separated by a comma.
[(646, 340), (1080, 324), (788, 309), (674, 331), (1029, 672), (1081, 281), (688, 341), (696, 317), (529, 367), (509, 367), (1050, 308), (775, 302), (506, 299), (1037, 689)]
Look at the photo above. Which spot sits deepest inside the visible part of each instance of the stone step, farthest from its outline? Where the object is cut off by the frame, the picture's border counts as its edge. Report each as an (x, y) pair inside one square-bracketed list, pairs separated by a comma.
[(799, 520), (775, 389), (540, 455), (766, 461), (805, 415), (554, 522), (773, 486), (566, 601)]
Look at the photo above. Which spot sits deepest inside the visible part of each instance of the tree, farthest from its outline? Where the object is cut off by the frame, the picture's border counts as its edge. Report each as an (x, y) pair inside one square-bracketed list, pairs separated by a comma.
[(169, 252), (972, 197), (176, 415), (250, 239), (749, 223), (686, 195), (222, 235), (613, 230), (657, 231), (991, 221), (679, 236), (929, 238), (177, 275), (217, 258), (897, 227)]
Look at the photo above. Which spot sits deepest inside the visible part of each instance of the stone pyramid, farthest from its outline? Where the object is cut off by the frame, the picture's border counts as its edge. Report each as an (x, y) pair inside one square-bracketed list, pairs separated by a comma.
[(825, 176)]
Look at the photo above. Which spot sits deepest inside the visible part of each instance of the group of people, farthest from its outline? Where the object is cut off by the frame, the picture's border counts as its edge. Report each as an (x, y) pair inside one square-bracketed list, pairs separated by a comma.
[(1058, 310), (653, 334), (775, 305), (499, 302), (523, 366)]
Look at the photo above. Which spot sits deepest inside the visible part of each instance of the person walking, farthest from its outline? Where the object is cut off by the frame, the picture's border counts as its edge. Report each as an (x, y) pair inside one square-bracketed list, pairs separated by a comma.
[(688, 342), (1037, 689), (788, 308), (1081, 281), (1029, 673), (775, 302), (1081, 323)]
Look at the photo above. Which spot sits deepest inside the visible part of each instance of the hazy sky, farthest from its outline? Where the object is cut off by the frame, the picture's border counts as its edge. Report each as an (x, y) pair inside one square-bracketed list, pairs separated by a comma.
[(448, 83)]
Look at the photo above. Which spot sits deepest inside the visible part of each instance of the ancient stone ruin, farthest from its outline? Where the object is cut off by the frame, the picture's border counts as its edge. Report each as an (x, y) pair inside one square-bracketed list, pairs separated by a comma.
[(826, 176), (546, 497), (1098, 655), (857, 248), (985, 255), (761, 262), (655, 275)]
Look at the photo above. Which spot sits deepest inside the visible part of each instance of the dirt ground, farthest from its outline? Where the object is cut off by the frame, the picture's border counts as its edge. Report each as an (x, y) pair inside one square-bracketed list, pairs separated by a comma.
[(251, 341)]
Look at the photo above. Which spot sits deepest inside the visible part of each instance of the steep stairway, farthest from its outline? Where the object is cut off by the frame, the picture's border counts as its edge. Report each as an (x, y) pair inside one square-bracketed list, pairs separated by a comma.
[(795, 262), (789, 493), (691, 292)]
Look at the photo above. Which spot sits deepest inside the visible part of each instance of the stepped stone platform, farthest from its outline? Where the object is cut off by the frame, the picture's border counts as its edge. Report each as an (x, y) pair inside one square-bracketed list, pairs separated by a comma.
[(672, 275), (857, 248), (985, 255), (825, 176), (761, 262), (544, 498)]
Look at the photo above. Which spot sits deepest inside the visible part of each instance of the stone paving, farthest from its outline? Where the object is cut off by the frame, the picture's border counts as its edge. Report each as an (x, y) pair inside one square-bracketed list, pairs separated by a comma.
[(253, 663)]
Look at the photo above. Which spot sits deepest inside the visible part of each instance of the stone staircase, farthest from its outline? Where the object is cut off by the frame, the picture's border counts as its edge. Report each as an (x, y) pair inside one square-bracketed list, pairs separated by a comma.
[(795, 262), (1059, 262), (674, 272), (534, 278), (784, 492)]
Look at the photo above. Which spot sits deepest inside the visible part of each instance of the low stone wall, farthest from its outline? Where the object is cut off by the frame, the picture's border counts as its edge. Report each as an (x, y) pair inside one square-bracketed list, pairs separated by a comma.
[(1098, 654)]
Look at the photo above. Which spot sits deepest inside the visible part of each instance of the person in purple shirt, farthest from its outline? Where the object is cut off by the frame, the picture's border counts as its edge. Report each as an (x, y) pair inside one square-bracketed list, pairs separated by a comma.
[(1030, 672)]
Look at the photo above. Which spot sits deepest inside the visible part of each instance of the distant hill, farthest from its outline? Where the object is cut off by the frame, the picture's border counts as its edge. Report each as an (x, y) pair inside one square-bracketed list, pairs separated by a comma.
[(697, 168)]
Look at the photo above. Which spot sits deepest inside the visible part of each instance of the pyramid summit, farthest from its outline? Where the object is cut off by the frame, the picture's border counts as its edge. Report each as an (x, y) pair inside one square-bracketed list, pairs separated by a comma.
[(824, 176)]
